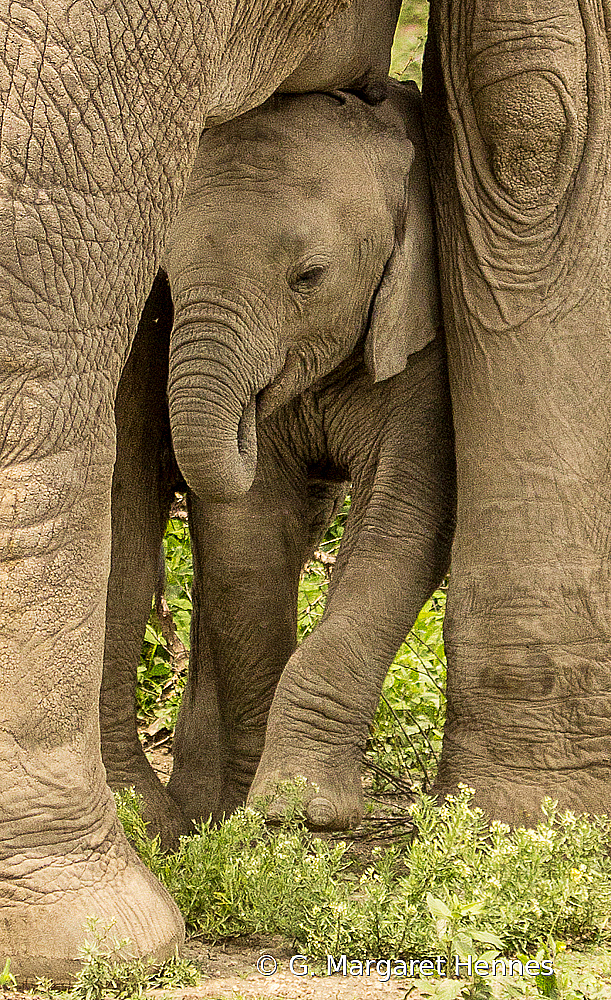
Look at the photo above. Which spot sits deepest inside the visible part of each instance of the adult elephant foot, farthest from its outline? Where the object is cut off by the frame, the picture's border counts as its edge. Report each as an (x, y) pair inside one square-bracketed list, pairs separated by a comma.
[(195, 797), (63, 855), (515, 796), (528, 717), (332, 798), (47, 902), (197, 794)]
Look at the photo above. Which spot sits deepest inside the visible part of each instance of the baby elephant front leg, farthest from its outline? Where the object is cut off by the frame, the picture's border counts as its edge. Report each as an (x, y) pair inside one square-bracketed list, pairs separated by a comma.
[(394, 553)]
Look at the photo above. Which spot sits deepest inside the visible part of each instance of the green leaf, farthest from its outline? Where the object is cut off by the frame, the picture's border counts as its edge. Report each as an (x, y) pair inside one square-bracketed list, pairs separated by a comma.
[(487, 937), (6, 979), (462, 944), (473, 907), (437, 907), (547, 985), (152, 635)]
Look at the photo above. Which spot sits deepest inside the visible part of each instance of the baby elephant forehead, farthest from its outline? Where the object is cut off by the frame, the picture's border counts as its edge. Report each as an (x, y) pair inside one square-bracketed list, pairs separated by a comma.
[(267, 163), (293, 130), (289, 224)]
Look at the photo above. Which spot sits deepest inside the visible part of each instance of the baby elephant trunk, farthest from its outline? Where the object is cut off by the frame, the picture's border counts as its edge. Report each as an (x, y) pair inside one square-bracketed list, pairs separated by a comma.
[(212, 403)]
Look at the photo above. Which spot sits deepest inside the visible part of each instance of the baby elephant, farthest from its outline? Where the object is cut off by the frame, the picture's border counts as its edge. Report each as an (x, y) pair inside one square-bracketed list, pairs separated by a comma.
[(305, 355)]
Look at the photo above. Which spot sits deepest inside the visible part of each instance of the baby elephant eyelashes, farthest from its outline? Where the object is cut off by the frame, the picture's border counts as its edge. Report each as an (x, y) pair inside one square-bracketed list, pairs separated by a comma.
[(306, 278)]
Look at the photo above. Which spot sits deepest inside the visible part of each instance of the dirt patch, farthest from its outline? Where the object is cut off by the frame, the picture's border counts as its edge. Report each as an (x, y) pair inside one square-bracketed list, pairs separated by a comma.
[(231, 971)]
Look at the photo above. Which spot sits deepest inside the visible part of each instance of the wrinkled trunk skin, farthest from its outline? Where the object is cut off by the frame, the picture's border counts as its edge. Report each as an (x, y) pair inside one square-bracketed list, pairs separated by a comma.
[(521, 163), (213, 429), (219, 361), (100, 118)]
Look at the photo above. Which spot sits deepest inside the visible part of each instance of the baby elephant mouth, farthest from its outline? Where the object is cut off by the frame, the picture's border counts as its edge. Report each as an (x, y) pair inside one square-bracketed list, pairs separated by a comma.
[(298, 373), (285, 386)]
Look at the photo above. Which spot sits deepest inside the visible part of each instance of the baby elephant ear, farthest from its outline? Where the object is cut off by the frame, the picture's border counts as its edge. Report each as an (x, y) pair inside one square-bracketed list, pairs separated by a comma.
[(406, 310)]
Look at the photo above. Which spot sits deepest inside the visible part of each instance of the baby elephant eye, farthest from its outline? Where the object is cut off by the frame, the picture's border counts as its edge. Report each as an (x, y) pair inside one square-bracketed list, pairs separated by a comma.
[(303, 279)]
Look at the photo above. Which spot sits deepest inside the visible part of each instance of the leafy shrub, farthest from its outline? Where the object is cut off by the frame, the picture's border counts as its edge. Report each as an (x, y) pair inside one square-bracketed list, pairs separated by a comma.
[(240, 877), (408, 727), (522, 886), (160, 684), (409, 41)]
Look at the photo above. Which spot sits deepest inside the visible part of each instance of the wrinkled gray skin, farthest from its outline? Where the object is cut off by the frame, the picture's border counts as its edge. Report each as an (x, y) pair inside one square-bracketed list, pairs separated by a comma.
[(355, 46), (305, 241), (518, 115), (102, 109), (101, 114)]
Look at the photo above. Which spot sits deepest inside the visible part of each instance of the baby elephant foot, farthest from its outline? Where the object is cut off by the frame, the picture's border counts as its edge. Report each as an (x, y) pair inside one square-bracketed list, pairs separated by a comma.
[(202, 795), (162, 815), (160, 812), (331, 797)]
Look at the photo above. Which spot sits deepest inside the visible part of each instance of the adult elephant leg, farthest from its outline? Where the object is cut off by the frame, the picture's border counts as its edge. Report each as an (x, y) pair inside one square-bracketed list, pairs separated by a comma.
[(144, 480), (247, 557), (101, 111), (517, 104), (63, 855), (72, 206)]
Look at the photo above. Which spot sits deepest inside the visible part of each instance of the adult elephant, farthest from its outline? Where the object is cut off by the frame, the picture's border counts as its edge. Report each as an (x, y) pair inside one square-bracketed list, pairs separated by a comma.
[(518, 109), (102, 109)]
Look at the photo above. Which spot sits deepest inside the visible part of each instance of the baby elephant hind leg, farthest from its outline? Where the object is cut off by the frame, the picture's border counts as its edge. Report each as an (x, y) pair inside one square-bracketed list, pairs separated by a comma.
[(144, 481)]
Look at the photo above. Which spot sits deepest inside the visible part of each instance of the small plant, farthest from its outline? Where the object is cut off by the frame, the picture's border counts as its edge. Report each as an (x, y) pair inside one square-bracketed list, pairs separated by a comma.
[(456, 937), (244, 878), (292, 794), (161, 673), (107, 974), (7, 980), (458, 887)]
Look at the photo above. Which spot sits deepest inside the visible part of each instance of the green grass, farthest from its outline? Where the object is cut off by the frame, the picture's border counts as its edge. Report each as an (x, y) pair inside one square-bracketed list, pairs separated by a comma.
[(452, 886), (525, 886)]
